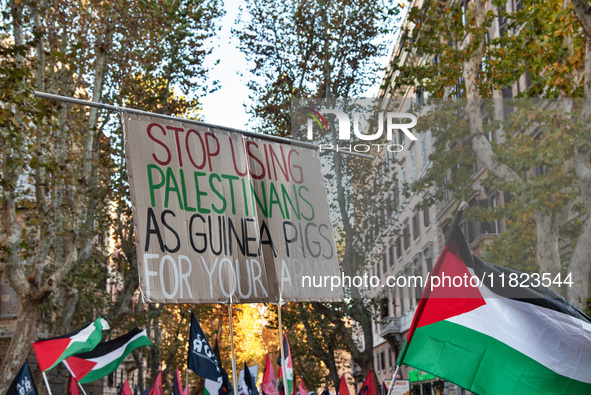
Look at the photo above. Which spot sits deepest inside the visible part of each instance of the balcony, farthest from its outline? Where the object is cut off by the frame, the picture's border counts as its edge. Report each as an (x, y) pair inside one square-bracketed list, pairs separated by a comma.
[(397, 325), (390, 326)]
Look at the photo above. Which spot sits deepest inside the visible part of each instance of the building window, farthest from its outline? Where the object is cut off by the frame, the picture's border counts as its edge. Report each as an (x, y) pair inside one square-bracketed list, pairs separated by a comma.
[(406, 236), (396, 199), (418, 271), (391, 256), (400, 137), (403, 172), (426, 219), (384, 308), (399, 248), (413, 166), (390, 357), (384, 264), (502, 20), (429, 262), (383, 356), (420, 96), (476, 228), (408, 271), (415, 226), (423, 151)]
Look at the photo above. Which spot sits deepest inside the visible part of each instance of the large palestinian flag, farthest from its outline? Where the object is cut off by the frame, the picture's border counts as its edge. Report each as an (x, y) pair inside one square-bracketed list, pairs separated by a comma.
[(495, 339), (52, 351), (105, 357)]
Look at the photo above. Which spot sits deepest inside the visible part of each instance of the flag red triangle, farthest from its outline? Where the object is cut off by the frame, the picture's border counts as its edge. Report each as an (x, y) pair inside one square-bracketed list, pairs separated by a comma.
[(446, 301), (48, 351), (79, 367)]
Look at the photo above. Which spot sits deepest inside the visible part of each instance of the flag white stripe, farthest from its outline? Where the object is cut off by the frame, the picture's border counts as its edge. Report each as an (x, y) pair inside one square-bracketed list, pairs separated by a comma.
[(558, 341), (84, 334), (104, 360)]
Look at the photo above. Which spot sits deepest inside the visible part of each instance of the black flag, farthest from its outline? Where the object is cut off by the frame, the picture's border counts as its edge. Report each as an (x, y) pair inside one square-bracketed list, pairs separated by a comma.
[(23, 382), (251, 387), (201, 359)]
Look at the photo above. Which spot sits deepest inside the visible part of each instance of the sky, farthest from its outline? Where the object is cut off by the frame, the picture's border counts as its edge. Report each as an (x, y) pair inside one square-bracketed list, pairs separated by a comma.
[(225, 107)]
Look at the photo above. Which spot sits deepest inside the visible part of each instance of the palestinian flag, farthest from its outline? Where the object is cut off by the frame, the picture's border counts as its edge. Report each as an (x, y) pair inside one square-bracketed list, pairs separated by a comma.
[(493, 338), (50, 352), (287, 368), (106, 357)]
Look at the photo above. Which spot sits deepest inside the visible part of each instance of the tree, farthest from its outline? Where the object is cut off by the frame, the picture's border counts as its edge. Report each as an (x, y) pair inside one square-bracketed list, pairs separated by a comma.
[(320, 49), (58, 162), (546, 172)]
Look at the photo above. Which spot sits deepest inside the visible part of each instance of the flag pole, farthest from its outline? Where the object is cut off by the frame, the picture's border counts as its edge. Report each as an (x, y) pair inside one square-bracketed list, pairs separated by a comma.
[(80, 385), (232, 347), (46, 383), (73, 378), (187, 380), (187, 368), (109, 107), (281, 344), (394, 377)]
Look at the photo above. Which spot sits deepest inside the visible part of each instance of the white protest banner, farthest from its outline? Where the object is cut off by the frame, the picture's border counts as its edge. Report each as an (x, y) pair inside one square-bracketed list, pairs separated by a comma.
[(223, 217), (401, 387)]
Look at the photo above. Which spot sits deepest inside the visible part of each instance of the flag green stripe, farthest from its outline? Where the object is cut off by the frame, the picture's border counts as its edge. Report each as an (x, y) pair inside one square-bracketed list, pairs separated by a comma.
[(79, 346), (96, 374), (482, 364)]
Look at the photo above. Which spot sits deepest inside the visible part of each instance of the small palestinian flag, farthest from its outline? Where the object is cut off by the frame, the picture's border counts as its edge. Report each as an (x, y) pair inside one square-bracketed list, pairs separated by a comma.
[(50, 352), (287, 368), (495, 337), (106, 357)]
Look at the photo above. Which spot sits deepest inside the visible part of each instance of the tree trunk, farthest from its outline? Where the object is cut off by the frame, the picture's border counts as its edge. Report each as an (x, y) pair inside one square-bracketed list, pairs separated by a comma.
[(579, 265), (24, 334), (547, 249)]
